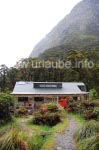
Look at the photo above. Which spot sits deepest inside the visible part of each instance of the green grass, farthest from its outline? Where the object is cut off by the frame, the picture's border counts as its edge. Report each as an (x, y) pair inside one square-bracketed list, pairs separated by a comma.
[(37, 128), (49, 143), (78, 119), (6, 127)]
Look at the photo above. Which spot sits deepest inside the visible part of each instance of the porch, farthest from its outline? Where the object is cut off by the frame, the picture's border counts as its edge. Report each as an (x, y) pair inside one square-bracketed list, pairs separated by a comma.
[(35, 101)]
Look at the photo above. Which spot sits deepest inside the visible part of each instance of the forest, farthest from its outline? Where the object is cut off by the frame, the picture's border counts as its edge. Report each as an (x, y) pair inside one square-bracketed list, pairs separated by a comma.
[(25, 70)]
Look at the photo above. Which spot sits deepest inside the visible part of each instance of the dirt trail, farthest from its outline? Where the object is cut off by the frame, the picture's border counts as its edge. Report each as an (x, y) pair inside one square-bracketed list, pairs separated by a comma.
[(64, 141), (22, 123)]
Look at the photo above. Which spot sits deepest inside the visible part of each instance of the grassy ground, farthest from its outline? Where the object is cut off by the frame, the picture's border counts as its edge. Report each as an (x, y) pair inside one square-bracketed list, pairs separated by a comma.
[(29, 126), (48, 145), (49, 139), (5, 128), (78, 119), (59, 128), (43, 128)]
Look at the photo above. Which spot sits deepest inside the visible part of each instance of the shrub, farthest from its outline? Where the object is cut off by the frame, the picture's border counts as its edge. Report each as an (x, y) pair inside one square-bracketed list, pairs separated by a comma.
[(87, 108), (72, 106), (90, 128), (91, 143), (96, 113), (88, 114), (50, 117), (89, 104), (21, 112), (84, 108), (52, 107), (6, 101), (93, 94)]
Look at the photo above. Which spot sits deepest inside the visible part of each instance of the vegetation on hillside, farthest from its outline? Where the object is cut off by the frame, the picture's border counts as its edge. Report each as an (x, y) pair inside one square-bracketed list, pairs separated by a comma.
[(28, 70), (78, 30)]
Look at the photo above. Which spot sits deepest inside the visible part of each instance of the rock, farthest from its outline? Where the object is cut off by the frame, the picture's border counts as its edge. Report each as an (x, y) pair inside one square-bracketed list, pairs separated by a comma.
[(59, 148)]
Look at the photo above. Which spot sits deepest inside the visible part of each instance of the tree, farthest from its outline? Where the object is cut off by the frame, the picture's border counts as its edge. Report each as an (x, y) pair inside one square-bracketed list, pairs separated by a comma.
[(93, 94), (12, 77), (6, 101), (3, 76)]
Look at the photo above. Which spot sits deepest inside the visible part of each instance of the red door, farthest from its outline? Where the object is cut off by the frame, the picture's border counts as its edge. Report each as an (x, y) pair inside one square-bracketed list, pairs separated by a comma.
[(62, 102)]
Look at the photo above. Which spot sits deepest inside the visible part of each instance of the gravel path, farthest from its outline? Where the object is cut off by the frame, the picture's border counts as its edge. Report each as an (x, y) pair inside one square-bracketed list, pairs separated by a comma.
[(65, 141)]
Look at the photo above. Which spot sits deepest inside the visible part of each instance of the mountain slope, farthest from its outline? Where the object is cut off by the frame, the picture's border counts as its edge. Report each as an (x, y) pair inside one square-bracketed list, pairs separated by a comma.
[(78, 29)]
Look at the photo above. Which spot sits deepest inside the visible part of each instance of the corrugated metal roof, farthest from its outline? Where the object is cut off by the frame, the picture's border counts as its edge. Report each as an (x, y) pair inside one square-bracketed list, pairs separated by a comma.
[(67, 88)]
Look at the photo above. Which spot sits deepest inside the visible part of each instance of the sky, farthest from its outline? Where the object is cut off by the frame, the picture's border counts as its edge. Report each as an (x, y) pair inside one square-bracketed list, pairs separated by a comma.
[(23, 23)]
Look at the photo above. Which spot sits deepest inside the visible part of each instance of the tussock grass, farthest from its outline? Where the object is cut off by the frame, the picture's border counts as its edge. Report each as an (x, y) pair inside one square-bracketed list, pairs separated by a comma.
[(91, 143), (5, 128), (14, 139), (88, 129)]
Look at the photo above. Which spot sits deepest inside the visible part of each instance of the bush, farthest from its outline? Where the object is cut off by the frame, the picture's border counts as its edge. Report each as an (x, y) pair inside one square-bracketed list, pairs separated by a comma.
[(52, 107), (87, 109), (89, 104), (88, 115), (93, 94), (90, 128), (96, 113), (84, 108), (49, 119), (50, 116), (6, 101), (21, 112), (72, 106)]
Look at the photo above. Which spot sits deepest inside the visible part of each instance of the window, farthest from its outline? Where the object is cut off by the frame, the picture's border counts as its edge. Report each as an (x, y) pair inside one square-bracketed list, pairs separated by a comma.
[(22, 99), (82, 87), (47, 85), (42, 86), (75, 98), (38, 99)]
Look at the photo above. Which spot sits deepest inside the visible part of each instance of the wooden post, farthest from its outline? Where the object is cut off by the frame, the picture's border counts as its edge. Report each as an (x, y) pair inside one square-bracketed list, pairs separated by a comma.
[(44, 99), (33, 103), (57, 99)]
